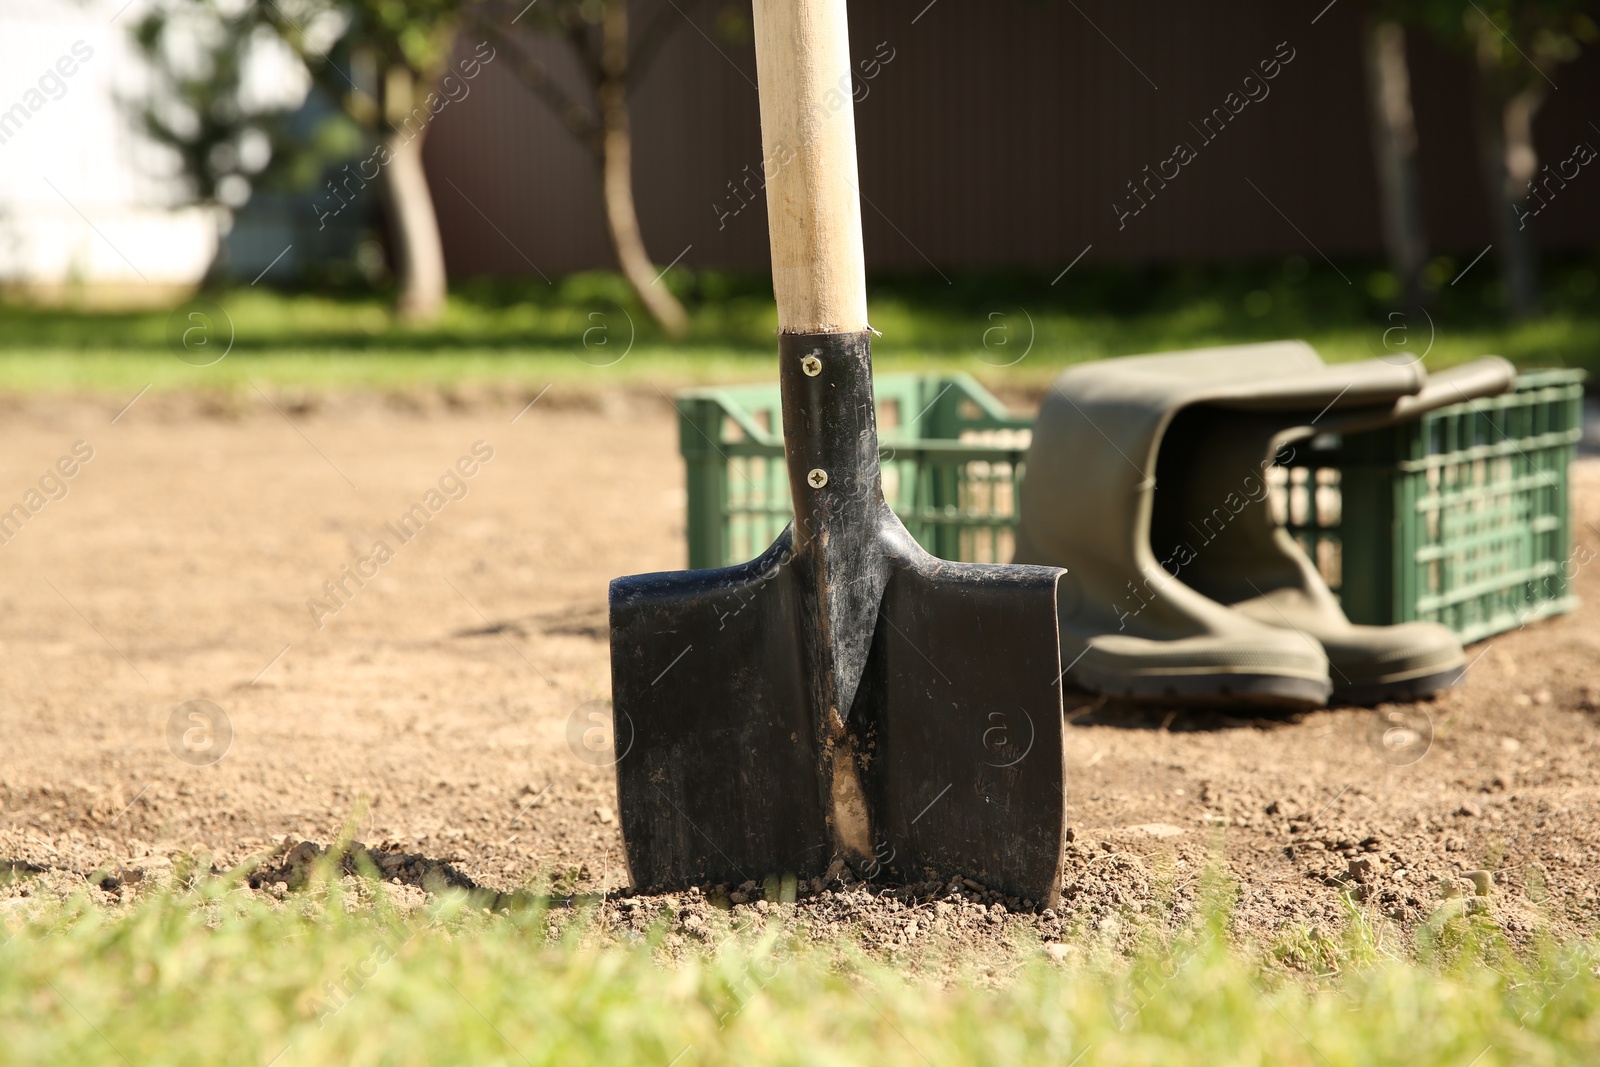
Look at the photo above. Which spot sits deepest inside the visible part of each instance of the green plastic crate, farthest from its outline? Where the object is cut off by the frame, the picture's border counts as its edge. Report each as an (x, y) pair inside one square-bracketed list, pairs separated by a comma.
[(1462, 517), (952, 461)]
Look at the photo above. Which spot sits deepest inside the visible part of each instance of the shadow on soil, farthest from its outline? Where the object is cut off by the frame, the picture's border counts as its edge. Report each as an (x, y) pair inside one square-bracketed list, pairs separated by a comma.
[(1086, 709)]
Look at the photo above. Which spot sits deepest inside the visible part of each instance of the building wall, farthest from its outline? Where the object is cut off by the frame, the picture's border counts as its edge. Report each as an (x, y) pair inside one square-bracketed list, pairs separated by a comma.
[(1003, 134)]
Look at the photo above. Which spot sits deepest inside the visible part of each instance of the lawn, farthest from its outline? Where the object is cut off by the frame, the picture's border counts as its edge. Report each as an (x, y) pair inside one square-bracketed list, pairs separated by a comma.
[(336, 975), (1013, 329)]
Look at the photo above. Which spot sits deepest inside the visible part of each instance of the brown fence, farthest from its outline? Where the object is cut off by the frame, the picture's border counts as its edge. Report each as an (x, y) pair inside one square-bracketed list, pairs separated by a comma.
[(1008, 133)]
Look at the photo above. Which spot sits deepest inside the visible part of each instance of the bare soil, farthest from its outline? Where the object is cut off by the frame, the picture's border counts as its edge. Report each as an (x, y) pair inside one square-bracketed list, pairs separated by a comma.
[(429, 714)]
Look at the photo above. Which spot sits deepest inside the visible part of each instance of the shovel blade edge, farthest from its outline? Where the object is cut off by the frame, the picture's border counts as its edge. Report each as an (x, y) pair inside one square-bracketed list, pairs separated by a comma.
[(962, 710), (718, 780)]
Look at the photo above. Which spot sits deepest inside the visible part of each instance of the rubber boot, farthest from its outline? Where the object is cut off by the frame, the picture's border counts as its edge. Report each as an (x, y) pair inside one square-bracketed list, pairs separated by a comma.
[(1243, 558), (1129, 627)]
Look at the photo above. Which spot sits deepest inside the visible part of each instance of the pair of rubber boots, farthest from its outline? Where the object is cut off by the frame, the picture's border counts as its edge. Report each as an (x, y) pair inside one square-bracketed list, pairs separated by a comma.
[(1147, 479)]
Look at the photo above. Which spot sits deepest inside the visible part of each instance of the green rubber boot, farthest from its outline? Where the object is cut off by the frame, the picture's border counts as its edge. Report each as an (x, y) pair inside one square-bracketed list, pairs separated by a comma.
[(1132, 625), (1246, 560)]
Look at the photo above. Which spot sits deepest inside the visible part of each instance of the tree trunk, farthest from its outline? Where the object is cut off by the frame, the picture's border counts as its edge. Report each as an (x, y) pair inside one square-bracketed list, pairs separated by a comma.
[(413, 226), (1394, 145), (616, 161), (1508, 159)]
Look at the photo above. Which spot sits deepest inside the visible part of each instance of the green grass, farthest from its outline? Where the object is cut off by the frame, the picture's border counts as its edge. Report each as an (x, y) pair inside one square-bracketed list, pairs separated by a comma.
[(215, 975), (1006, 327)]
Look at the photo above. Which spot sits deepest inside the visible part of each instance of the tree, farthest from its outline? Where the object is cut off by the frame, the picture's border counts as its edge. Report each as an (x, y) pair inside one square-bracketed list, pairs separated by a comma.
[(382, 62), (613, 62), (224, 143), (1394, 149), (1516, 47), (385, 63)]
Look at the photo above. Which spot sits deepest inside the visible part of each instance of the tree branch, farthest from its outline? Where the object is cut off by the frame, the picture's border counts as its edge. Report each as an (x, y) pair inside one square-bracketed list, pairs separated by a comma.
[(578, 37), (579, 120), (656, 34)]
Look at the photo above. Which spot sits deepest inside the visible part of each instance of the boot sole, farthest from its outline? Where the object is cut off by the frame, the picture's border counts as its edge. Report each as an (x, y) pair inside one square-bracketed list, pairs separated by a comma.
[(1276, 691), (1400, 691)]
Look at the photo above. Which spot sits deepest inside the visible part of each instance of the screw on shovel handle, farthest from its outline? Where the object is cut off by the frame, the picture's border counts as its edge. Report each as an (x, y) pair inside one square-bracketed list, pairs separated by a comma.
[(845, 698)]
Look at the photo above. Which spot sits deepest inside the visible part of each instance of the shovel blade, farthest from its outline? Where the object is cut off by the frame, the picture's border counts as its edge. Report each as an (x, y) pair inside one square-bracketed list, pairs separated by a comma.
[(718, 781), (961, 709), (957, 719)]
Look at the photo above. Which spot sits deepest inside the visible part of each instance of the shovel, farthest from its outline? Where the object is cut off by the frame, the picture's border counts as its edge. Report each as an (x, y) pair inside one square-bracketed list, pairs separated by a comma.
[(845, 699)]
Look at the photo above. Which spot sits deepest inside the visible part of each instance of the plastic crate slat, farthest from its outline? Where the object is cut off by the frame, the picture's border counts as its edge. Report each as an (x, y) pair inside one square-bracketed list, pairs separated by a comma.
[(1458, 499), (1500, 622), (1509, 447), (1503, 542), (1508, 582)]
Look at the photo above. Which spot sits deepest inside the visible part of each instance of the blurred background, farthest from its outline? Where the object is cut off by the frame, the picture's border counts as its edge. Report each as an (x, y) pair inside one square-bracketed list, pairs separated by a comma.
[(1044, 181)]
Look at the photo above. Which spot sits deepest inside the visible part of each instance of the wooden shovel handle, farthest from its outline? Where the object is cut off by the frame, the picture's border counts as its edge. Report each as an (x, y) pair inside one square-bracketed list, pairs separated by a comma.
[(808, 137)]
